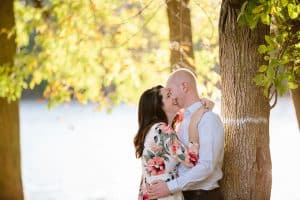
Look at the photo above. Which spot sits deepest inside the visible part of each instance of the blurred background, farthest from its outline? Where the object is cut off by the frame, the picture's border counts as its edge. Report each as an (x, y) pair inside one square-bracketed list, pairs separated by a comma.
[(79, 69), (74, 152)]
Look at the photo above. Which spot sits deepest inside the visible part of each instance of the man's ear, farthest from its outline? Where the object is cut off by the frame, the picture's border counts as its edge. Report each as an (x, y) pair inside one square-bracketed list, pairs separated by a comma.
[(185, 87)]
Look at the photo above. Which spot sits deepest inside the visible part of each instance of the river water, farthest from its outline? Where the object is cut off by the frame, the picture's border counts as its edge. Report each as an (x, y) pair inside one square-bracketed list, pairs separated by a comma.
[(74, 152)]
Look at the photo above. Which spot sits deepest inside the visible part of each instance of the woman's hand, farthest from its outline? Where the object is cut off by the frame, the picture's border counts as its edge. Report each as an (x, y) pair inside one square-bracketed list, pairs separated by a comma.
[(207, 103), (193, 126)]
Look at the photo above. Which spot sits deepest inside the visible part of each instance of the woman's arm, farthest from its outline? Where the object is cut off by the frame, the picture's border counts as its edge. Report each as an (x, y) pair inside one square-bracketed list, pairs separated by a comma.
[(174, 147), (196, 117), (143, 190), (207, 103), (193, 126)]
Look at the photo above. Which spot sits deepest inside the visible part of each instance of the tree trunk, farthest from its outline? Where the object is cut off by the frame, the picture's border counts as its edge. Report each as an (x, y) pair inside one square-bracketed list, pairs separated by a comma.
[(181, 43), (10, 161), (245, 110), (296, 92), (296, 100)]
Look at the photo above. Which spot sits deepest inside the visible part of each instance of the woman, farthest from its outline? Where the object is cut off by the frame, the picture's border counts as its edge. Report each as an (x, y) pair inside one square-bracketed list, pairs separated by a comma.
[(156, 142)]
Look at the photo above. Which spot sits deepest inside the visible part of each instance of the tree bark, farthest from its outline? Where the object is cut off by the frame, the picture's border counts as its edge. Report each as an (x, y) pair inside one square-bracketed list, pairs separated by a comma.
[(245, 110), (10, 161), (181, 42), (296, 92), (296, 100)]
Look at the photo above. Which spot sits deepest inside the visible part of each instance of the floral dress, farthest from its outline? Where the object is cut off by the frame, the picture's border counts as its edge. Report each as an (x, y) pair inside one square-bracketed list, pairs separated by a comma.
[(161, 155)]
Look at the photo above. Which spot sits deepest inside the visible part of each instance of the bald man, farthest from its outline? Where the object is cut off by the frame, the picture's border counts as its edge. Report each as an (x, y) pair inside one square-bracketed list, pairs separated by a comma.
[(201, 181)]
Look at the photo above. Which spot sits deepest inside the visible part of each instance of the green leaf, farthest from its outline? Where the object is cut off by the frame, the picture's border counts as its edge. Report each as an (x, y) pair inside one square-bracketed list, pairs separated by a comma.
[(263, 68), (262, 49), (284, 60), (165, 158), (242, 11), (270, 73), (284, 3), (266, 58), (292, 85), (266, 91), (258, 9), (259, 79), (150, 154), (160, 153), (293, 11), (181, 156), (269, 40), (265, 18), (252, 22)]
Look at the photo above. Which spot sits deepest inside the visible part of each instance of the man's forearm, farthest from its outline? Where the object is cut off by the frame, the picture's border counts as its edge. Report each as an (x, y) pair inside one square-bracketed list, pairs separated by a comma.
[(196, 174)]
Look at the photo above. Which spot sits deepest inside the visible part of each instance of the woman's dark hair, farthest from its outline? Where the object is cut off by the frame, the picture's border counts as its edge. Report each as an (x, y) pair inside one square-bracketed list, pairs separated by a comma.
[(150, 111)]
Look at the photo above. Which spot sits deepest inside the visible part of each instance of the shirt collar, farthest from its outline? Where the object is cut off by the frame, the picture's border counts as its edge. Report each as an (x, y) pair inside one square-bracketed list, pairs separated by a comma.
[(192, 108)]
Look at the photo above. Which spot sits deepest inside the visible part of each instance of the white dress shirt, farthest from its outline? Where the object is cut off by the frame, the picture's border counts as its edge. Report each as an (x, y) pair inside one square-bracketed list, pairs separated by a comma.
[(206, 174)]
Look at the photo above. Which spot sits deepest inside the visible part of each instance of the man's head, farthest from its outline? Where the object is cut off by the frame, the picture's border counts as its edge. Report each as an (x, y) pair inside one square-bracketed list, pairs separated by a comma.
[(183, 86)]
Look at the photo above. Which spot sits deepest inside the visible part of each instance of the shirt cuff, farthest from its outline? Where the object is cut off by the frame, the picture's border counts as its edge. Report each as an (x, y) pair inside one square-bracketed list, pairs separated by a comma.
[(173, 186)]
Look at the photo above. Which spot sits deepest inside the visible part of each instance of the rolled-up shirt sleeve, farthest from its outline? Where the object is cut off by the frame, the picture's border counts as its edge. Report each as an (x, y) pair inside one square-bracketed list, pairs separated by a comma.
[(210, 130)]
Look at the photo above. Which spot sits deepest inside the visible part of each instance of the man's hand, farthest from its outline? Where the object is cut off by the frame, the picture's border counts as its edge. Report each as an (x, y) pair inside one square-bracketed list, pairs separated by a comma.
[(158, 189)]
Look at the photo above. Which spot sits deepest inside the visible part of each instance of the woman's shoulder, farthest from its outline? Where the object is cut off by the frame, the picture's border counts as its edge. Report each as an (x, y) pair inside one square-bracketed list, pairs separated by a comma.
[(163, 128), (159, 127), (155, 127), (154, 132)]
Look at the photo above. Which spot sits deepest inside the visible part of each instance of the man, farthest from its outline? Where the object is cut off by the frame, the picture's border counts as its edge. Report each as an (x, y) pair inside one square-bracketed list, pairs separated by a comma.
[(201, 181)]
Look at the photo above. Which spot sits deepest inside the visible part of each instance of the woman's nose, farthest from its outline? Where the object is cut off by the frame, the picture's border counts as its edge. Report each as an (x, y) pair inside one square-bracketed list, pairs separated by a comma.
[(174, 101)]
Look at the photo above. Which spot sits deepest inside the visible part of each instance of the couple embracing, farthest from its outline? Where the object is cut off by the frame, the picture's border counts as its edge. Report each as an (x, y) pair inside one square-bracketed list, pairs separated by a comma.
[(180, 142)]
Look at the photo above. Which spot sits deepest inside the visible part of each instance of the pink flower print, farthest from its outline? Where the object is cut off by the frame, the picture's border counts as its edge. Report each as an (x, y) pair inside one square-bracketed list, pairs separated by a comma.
[(154, 147), (175, 147), (178, 117), (156, 166), (193, 153), (145, 197), (177, 120), (193, 158)]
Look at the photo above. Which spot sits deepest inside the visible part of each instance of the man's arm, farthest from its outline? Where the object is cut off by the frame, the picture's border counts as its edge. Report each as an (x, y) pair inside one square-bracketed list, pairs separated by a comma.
[(211, 140)]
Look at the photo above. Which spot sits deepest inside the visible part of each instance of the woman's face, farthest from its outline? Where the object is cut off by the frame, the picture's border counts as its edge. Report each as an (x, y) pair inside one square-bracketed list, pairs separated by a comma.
[(170, 105)]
